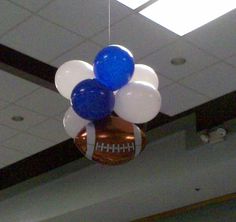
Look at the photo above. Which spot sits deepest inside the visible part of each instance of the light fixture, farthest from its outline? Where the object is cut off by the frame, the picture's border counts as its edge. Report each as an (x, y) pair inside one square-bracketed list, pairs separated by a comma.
[(214, 136), (17, 118), (178, 61), (183, 16), (133, 4)]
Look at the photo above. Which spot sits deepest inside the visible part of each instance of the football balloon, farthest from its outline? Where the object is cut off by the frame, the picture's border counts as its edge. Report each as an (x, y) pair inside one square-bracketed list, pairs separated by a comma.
[(111, 141)]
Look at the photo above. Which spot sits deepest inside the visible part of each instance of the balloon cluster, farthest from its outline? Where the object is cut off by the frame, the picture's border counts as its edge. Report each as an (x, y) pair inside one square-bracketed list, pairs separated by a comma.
[(113, 83)]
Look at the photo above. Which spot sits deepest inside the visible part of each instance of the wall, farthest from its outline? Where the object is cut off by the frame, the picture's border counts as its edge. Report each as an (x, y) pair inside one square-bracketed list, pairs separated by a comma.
[(213, 213)]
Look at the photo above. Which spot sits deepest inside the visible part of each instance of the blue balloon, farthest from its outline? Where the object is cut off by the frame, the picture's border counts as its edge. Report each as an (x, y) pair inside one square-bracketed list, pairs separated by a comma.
[(91, 100), (114, 66)]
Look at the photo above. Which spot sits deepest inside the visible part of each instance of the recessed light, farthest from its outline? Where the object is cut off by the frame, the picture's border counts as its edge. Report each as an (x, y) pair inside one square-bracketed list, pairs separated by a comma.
[(183, 16), (17, 118), (178, 61), (133, 4)]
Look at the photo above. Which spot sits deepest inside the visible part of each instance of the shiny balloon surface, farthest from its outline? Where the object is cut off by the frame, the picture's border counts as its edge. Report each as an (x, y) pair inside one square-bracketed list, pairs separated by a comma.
[(145, 74), (137, 102), (115, 141), (91, 100), (70, 74), (73, 123), (114, 66)]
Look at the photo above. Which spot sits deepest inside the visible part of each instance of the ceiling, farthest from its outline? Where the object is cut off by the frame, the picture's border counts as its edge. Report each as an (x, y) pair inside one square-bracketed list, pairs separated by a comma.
[(55, 31), (42, 125)]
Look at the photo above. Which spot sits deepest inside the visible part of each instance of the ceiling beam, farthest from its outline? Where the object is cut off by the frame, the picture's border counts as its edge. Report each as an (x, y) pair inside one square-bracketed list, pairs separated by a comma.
[(24, 63), (44, 161)]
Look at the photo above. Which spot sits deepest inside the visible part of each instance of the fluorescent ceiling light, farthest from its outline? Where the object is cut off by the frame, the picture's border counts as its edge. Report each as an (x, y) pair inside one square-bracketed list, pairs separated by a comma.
[(183, 16), (133, 3)]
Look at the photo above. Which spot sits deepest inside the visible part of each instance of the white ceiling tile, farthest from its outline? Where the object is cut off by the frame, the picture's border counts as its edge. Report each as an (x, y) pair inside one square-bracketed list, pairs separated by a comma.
[(11, 15), (140, 35), (9, 156), (27, 143), (32, 4), (30, 118), (217, 37), (6, 133), (177, 99), (13, 87), (51, 129), (84, 17), (196, 60), (45, 102), (232, 15), (215, 81), (86, 52), (231, 60), (3, 104), (40, 39), (163, 81), (133, 4)]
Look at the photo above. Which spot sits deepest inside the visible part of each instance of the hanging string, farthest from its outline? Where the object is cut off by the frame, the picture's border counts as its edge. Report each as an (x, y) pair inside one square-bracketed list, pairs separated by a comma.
[(109, 21)]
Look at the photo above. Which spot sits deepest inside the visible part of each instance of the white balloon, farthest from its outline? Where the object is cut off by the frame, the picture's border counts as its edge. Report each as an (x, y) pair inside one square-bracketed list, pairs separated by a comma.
[(137, 102), (70, 74), (73, 123), (144, 73)]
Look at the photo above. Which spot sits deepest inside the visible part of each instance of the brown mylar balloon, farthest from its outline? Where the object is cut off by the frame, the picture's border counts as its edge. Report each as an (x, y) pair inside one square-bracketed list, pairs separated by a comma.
[(111, 141)]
